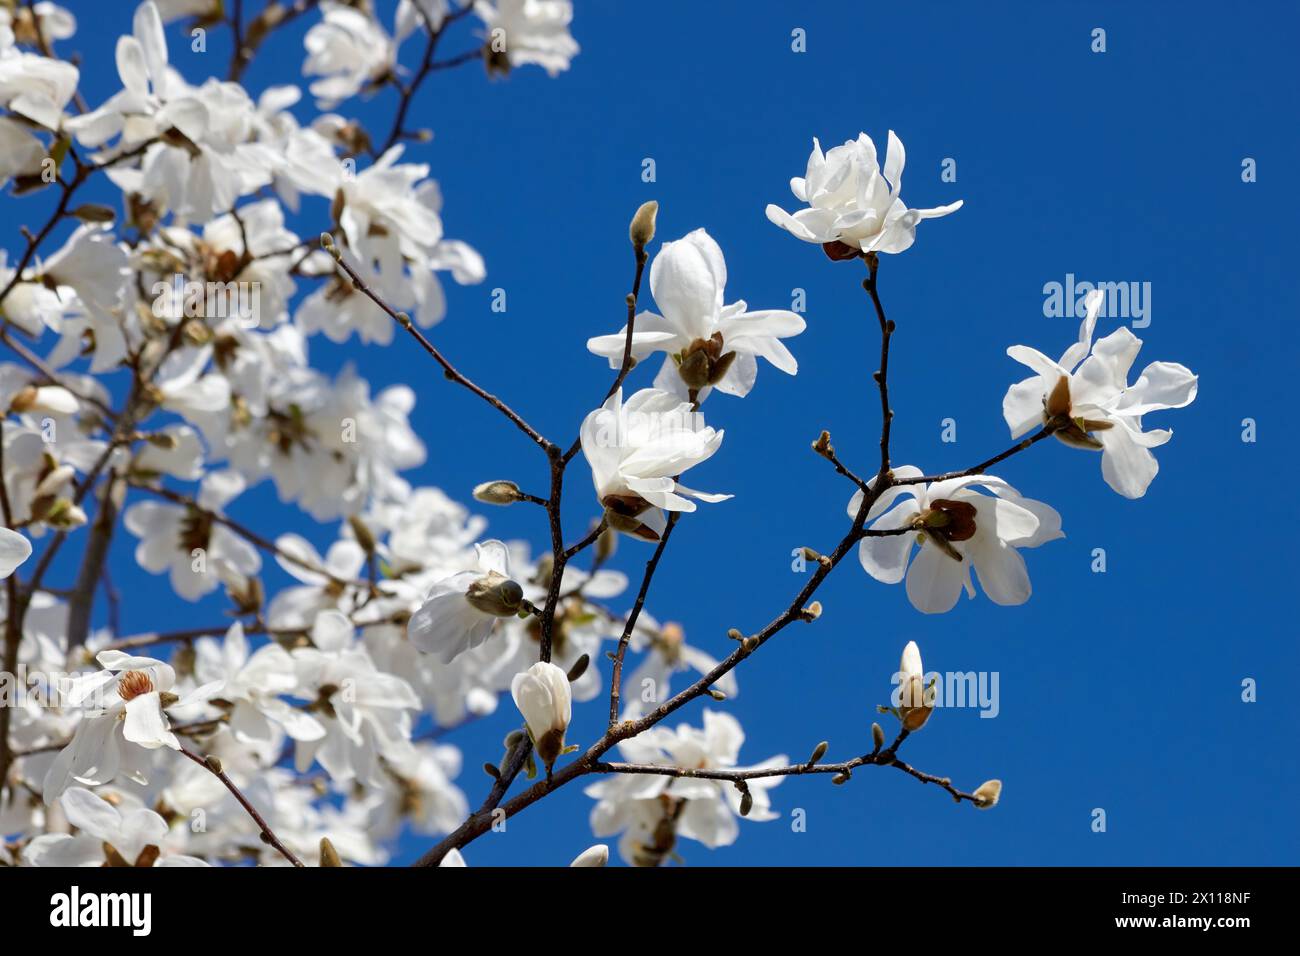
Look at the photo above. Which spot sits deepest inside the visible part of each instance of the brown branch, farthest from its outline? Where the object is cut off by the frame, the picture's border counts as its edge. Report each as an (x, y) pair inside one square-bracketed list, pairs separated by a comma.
[(983, 466), (449, 370), (213, 765), (616, 682), (407, 91)]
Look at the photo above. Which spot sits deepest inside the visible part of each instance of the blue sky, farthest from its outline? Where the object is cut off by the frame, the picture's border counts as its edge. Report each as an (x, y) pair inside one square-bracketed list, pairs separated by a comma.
[(1119, 691)]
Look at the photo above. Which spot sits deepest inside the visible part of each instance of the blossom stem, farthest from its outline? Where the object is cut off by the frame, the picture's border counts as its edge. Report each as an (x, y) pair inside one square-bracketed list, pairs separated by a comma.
[(616, 682), (983, 466), (268, 835)]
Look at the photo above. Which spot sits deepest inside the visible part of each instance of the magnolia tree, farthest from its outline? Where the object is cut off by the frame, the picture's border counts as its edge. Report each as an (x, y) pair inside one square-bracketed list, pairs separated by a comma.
[(157, 366)]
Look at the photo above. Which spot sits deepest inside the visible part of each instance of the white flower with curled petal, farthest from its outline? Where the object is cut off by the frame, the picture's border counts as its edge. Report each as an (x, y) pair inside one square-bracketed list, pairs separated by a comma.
[(106, 836), (33, 86), (252, 682), (350, 50), (708, 344), (638, 450), (296, 607), (123, 704), (190, 544), (955, 527), (1087, 400), (462, 611), (520, 32), (651, 810), (853, 202)]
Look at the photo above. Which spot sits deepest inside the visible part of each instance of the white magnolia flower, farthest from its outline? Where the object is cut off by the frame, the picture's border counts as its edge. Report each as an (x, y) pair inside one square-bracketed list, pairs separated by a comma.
[(350, 50), (107, 837), (954, 527), (652, 810), (253, 682), (298, 606), (853, 202), (462, 611), (14, 550), (597, 855), (419, 791), (636, 453), (520, 32), (366, 712), (33, 86), (543, 697), (707, 343), (198, 551), (1087, 398), (122, 705)]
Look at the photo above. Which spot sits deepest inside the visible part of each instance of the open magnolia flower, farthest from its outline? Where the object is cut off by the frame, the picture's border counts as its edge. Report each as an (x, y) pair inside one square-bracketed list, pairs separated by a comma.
[(638, 451), (107, 836), (1087, 400), (854, 206), (123, 704), (955, 527), (462, 611), (520, 32), (652, 811), (707, 343)]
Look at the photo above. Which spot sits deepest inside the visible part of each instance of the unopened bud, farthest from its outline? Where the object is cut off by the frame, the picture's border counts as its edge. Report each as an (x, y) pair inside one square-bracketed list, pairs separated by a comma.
[(746, 802), (811, 612), (818, 752), (579, 667), (717, 694), (987, 794), (328, 855), (495, 594), (735, 635), (749, 644), (499, 492), (94, 212), (213, 763), (840, 778), (606, 545), (642, 229), (365, 537), (877, 735)]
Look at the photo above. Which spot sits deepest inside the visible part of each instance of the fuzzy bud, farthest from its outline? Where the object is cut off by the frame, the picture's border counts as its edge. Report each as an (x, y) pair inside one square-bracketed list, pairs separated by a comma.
[(498, 492), (328, 855), (818, 752), (642, 229), (987, 794)]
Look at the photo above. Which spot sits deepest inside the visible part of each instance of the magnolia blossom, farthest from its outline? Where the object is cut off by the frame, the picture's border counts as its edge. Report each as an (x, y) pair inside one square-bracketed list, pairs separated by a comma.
[(915, 699), (197, 550), (707, 343), (666, 654), (1086, 399), (638, 451), (350, 50), (652, 810), (33, 86), (520, 32), (853, 204), (542, 695), (108, 836), (123, 716), (954, 526), (14, 550), (462, 611)]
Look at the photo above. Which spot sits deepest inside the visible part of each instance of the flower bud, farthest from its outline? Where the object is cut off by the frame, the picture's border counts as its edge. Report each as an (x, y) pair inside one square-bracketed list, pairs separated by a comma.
[(365, 537), (877, 736), (915, 699), (642, 229), (499, 492), (818, 752), (495, 594), (328, 855), (543, 697), (597, 855), (987, 794)]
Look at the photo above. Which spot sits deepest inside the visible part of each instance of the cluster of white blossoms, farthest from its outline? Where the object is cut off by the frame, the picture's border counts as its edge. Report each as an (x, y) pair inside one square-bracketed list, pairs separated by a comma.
[(157, 368)]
